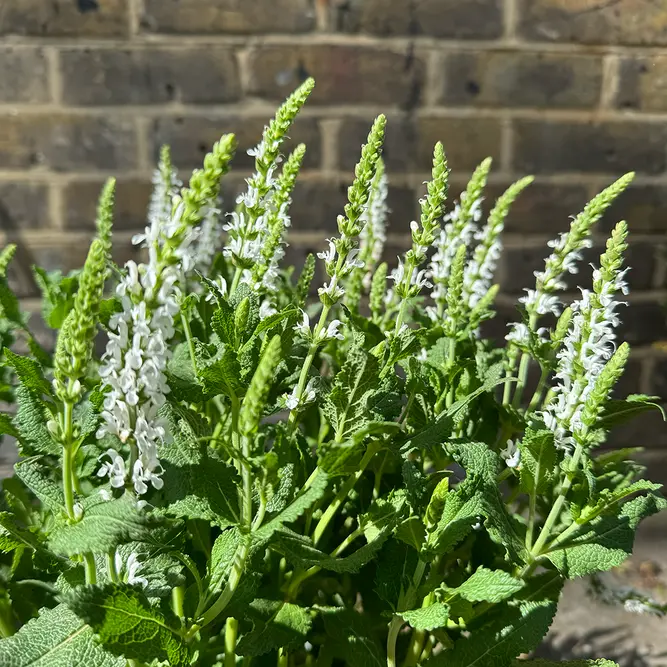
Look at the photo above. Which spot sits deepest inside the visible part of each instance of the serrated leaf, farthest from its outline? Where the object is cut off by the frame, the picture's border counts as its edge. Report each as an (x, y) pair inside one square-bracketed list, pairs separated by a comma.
[(606, 541), (218, 369), (276, 624), (285, 491), (489, 586), (105, 525), (10, 306), (619, 411), (30, 422), (395, 568), (538, 460), (7, 426), (222, 558), (57, 638), (352, 638), (427, 618), (222, 323), (12, 536), (28, 371), (303, 501), (127, 625), (36, 477), (412, 532)]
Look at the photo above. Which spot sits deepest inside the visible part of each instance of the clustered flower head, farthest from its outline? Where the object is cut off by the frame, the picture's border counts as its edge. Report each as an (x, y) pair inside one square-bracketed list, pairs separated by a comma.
[(134, 364), (567, 252), (374, 231), (587, 349)]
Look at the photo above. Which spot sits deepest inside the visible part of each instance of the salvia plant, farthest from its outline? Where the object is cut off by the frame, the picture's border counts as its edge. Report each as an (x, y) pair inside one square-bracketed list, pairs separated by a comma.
[(225, 461)]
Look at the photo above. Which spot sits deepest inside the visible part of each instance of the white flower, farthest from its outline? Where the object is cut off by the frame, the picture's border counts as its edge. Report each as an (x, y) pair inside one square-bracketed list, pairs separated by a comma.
[(303, 327), (511, 454), (221, 284), (266, 309), (334, 291), (128, 571), (332, 331), (115, 469), (330, 254), (292, 401)]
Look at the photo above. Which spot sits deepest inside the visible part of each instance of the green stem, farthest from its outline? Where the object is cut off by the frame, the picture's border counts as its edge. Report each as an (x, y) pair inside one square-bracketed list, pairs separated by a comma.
[(111, 566), (509, 373), (537, 395), (553, 515), (7, 628), (394, 628), (524, 366), (531, 520), (178, 601), (283, 657), (89, 568), (343, 493), (188, 337), (68, 486), (451, 356), (231, 633)]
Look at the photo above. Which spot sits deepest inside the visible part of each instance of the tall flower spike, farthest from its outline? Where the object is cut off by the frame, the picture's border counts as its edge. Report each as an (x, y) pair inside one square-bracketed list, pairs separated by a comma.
[(567, 251), (342, 256), (459, 229), (480, 271), (584, 383), (409, 277), (248, 226), (165, 187), (75, 345), (265, 272)]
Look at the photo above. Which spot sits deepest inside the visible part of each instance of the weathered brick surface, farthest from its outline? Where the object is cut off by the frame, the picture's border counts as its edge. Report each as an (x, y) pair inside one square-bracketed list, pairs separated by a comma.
[(64, 18), (239, 17), (23, 206), (461, 19), (24, 75), (390, 77), (66, 142), (409, 142), (594, 21), (522, 79), (643, 84), (544, 147), (131, 203), (110, 76), (644, 207), (541, 208), (643, 323), (191, 138)]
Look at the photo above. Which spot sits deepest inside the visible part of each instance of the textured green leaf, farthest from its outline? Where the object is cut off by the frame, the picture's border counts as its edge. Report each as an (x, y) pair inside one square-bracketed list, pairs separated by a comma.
[(222, 558), (218, 368), (28, 371), (10, 307), (103, 527), (538, 460), (12, 536), (57, 638), (352, 637), (183, 381), (30, 421), (127, 625), (606, 541), (346, 405), (36, 477), (427, 618), (276, 624), (489, 586), (222, 323), (7, 426), (395, 568), (619, 411)]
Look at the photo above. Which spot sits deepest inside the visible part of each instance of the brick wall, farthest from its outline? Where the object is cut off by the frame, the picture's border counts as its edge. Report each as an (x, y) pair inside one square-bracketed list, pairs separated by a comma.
[(573, 91)]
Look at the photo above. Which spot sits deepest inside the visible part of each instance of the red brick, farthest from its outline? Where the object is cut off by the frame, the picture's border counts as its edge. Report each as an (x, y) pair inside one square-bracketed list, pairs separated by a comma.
[(23, 206), (150, 76), (129, 213), (191, 138), (632, 22), (66, 142), (64, 18), (643, 206), (237, 17), (343, 74), (522, 79), (24, 75), (553, 147), (409, 143), (457, 19)]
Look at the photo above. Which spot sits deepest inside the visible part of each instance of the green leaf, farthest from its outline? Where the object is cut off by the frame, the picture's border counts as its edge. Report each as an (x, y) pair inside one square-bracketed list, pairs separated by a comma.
[(197, 484), (9, 304), (28, 371), (489, 586), (13, 536), (7, 426), (395, 568), (277, 624), (183, 382), (222, 323), (346, 405), (36, 477), (218, 368), (606, 541), (57, 638), (538, 461), (222, 558), (427, 618), (105, 525), (412, 532), (618, 412), (30, 422), (127, 625), (352, 637), (293, 511)]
